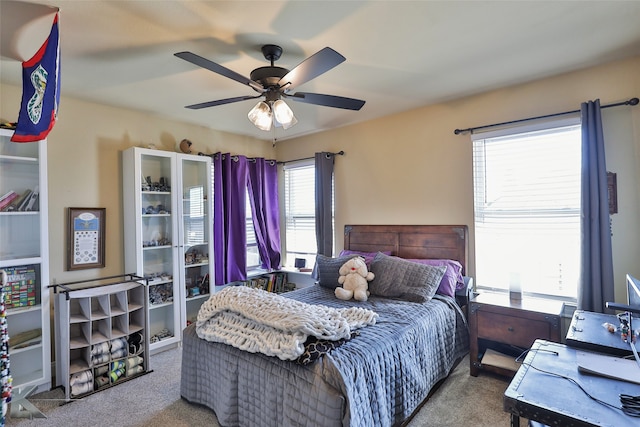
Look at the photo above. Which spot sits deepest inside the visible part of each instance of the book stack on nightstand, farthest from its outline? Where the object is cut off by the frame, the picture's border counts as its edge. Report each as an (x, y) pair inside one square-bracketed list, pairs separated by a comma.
[(501, 328)]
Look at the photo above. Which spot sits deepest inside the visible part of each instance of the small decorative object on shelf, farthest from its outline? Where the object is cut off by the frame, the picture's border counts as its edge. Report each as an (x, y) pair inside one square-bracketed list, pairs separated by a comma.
[(160, 336), (161, 185), (195, 256), (161, 294)]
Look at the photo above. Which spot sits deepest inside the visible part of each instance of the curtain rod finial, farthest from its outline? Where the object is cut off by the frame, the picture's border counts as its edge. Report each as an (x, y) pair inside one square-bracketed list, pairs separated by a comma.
[(634, 101)]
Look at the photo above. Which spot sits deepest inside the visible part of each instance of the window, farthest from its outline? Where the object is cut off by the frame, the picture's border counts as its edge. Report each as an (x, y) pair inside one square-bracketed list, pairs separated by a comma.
[(253, 255), (527, 209), (300, 219), (194, 217)]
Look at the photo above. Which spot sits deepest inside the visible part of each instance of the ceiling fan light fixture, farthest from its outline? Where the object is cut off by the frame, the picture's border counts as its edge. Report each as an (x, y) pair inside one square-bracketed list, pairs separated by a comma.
[(290, 124), (275, 82), (261, 116), (283, 114)]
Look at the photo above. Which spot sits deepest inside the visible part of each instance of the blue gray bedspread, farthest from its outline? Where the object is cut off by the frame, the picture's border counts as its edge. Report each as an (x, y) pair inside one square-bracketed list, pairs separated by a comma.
[(377, 378)]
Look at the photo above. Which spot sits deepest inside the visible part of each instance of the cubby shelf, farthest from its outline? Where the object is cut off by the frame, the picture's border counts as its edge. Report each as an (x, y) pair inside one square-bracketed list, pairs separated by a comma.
[(102, 329)]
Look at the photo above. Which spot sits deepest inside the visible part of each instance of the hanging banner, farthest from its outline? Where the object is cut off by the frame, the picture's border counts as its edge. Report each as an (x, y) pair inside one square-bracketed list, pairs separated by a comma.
[(40, 90)]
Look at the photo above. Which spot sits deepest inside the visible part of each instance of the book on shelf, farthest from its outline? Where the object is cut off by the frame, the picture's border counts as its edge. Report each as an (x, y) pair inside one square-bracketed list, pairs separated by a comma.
[(25, 202), (281, 282), (18, 201), (21, 289), (7, 199), (32, 204), (271, 282), (6, 195)]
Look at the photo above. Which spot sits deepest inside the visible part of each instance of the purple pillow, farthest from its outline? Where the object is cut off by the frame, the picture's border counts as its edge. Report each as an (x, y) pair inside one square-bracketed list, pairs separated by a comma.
[(452, 278), (368, 256)]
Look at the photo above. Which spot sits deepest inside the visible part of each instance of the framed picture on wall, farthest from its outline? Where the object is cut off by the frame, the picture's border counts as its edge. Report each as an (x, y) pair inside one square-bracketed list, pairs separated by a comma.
[(85, 238)]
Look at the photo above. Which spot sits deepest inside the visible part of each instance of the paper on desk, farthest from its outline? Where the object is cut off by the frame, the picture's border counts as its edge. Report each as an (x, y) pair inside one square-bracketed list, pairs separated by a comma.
[(608, 366)]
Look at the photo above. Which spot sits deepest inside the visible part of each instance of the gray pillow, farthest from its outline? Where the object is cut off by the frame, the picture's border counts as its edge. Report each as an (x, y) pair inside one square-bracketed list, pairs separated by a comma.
[(328, 269), (398, 278)]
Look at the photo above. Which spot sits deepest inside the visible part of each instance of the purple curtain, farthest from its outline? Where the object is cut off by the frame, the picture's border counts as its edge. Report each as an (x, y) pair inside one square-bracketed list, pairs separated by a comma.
[(263, 197), (596, 269), (229, 216)]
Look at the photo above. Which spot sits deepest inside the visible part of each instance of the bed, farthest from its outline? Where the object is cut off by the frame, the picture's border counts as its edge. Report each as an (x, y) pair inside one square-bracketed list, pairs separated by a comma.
[(380, 376)]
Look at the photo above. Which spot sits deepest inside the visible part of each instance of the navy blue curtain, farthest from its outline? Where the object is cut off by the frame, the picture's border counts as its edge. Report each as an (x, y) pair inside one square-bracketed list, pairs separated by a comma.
[(596, 269), (263, 197), (324, 190)]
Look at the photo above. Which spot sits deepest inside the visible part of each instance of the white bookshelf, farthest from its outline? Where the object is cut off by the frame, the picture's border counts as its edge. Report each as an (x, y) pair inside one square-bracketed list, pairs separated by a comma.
[(24, 254)]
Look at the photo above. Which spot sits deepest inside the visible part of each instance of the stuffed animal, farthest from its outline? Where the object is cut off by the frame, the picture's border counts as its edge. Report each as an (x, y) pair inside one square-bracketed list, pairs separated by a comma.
[(353, 278)]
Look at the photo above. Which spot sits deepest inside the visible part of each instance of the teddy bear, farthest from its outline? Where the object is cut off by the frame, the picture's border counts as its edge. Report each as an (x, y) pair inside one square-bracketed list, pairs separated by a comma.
[(354, 278)]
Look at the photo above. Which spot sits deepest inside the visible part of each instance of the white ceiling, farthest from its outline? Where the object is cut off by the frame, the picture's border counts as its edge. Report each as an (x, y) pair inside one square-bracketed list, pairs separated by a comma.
[(400, 54)]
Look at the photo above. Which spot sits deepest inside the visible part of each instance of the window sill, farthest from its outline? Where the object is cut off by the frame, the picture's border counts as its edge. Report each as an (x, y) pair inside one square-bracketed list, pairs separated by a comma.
[(297, 271), (568, 305)]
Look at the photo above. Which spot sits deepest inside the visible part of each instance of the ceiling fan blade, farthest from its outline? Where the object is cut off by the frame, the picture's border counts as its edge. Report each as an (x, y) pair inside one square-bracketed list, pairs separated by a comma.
[(219, 69), (328, 100), (220, 102), (318, 63)]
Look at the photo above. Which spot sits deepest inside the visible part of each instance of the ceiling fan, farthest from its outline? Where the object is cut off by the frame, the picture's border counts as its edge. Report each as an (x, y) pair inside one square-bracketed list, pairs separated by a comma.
[(274, 83)]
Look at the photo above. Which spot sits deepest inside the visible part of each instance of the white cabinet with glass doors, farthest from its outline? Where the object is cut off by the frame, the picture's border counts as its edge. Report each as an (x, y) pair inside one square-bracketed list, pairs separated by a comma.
[(168, 235), (24, 256)]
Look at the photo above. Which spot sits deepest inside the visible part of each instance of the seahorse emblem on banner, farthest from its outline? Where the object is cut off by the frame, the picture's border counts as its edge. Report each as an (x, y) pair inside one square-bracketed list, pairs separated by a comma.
[(39, 82)]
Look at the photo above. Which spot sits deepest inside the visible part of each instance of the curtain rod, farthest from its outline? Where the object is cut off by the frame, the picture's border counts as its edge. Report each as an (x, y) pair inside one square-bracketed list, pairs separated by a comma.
[(339, 153), (235, 157), (632, 101), (252, 159)]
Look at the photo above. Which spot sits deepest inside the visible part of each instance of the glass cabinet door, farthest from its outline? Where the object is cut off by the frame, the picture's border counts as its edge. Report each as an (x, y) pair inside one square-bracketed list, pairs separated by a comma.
[(159, 242), (196, 232), (168, 235)]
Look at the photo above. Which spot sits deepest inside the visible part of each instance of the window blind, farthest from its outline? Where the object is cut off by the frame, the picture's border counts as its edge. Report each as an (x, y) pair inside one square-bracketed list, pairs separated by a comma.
[(253, 255), (300, 223), (527, 209)]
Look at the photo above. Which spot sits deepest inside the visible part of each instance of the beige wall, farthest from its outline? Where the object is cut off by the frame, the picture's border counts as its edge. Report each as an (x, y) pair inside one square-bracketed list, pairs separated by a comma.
[(410, 168), (407, 168), (85, 167)]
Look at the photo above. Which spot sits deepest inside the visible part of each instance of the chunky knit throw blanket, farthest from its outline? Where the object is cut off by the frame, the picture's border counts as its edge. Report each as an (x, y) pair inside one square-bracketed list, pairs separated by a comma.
[(258, 321)]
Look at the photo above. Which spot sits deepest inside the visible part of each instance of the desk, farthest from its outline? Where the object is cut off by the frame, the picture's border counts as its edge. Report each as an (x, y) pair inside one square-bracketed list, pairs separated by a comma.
[(556, 401), (586, 332)]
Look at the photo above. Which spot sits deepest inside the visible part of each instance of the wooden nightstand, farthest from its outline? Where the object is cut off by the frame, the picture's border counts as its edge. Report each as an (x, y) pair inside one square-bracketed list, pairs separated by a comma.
[(499, 323)]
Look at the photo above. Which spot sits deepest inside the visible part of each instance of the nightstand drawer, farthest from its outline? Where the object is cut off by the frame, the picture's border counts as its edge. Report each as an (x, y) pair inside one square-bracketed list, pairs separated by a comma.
[(511, 330), (495, 320)]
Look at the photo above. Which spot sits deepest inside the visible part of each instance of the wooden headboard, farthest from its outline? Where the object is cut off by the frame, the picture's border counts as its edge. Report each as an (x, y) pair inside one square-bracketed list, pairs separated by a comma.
[(410, 241)]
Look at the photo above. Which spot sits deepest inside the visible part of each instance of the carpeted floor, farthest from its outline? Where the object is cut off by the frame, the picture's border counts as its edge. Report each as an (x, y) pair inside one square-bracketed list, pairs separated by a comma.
[(153, 400)]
